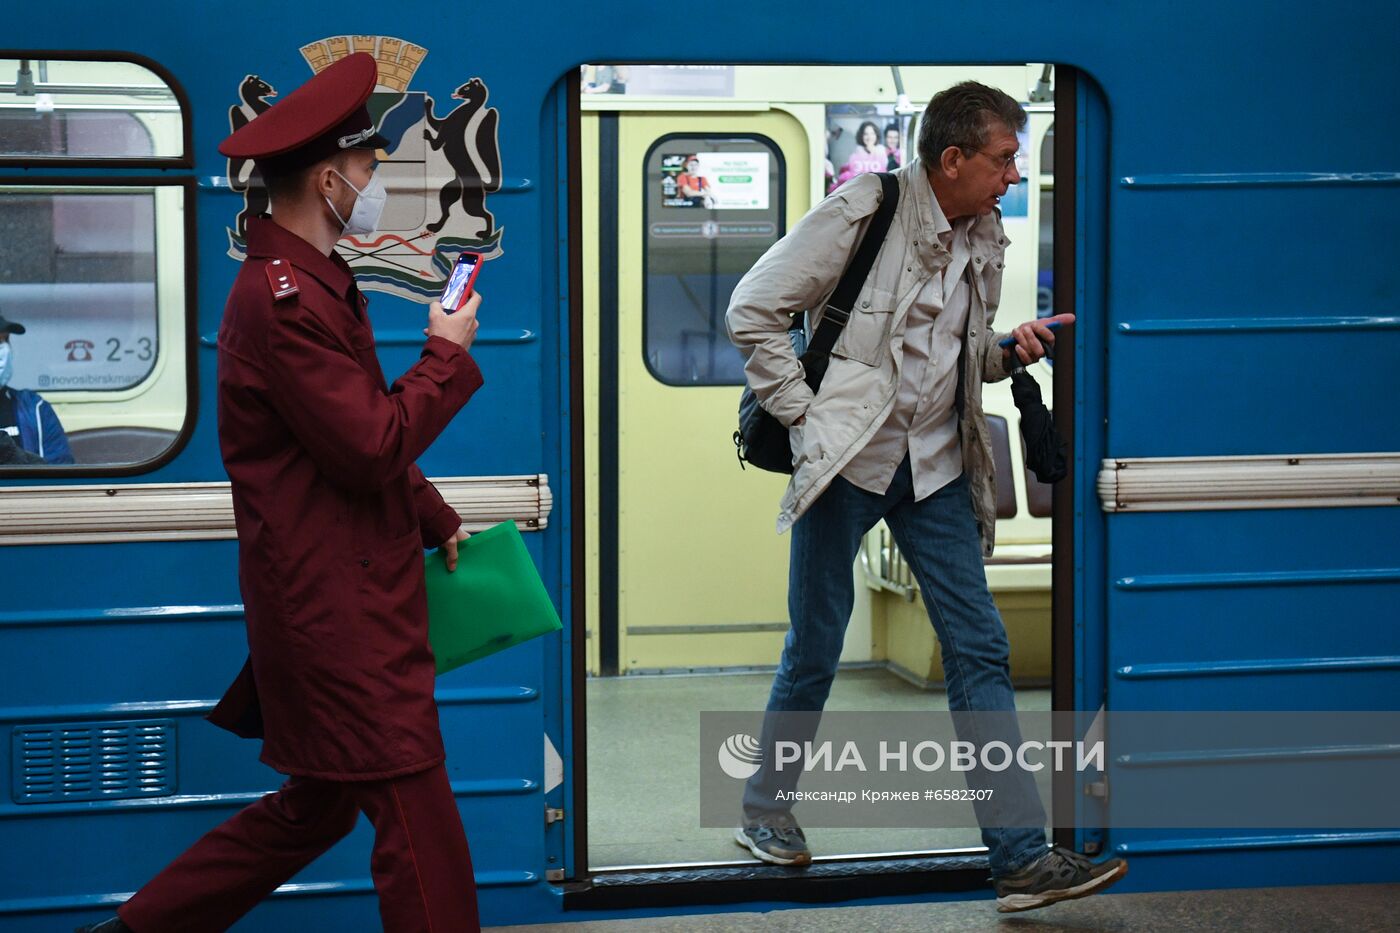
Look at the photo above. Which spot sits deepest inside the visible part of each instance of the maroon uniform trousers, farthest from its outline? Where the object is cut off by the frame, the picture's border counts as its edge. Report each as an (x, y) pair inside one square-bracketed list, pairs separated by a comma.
[(421, 865)]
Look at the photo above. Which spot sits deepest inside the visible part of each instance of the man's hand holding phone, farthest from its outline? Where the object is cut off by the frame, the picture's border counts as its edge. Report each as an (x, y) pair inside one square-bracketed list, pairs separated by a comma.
[(1033, 340), (459, 327), (454, 316)]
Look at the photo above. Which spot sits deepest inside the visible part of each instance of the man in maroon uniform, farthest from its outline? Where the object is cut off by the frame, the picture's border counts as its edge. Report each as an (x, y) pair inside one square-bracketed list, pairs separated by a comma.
[(332, 519)]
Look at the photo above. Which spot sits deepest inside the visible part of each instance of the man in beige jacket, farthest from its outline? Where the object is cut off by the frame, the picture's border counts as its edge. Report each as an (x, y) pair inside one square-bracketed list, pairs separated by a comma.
[(897, 432)]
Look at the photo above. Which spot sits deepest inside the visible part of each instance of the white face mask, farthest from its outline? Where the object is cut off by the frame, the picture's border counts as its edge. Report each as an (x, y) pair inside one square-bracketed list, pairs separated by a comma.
[(7, 364), (369, 206)]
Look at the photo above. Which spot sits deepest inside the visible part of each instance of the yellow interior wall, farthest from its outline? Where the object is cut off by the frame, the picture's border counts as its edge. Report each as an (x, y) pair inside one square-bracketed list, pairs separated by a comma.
[(906, 639), (697, 540), (159, 400)]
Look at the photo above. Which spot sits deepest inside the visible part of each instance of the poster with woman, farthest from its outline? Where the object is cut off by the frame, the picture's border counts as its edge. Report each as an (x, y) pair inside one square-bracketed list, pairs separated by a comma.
[(861, 138)]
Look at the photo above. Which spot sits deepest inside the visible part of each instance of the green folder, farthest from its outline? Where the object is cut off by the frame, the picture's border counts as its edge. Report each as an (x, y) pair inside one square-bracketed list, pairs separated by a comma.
[(493, 600)]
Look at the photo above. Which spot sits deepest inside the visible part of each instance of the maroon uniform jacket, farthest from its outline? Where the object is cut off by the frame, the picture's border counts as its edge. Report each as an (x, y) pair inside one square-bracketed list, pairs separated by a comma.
[(332, 518)]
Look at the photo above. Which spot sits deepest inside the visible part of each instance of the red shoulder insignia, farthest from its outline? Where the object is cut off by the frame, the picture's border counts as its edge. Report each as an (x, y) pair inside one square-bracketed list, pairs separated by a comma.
[(281, 279)]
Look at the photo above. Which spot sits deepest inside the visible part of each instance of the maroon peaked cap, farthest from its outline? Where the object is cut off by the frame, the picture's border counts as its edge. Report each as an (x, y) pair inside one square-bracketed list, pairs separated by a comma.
[(324, 116)]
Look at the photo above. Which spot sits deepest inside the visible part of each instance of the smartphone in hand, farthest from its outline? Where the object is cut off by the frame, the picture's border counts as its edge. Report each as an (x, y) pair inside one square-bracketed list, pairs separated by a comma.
[(459, 283), (1009, 343)]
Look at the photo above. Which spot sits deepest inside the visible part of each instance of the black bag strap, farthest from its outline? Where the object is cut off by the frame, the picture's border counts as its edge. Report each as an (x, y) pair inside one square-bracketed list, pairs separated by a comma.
[(838, 306)]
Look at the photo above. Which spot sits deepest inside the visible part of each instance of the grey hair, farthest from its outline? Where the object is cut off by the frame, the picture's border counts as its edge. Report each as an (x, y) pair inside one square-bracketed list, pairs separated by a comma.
[(964, 115)]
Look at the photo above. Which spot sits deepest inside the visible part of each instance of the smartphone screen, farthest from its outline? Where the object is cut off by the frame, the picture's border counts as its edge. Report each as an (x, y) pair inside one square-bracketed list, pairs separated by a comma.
[(459, 284)]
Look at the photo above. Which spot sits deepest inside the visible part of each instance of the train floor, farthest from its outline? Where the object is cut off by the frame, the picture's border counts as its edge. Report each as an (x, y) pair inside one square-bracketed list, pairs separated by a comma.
[(643, 733), (1351, 908)]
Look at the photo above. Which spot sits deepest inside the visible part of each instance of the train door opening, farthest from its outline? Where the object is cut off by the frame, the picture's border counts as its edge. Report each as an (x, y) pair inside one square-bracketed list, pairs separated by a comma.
[(688, 174)]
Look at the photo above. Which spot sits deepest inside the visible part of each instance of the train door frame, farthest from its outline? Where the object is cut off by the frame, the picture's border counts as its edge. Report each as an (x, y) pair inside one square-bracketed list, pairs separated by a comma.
[(1064, 670), (941, 875)]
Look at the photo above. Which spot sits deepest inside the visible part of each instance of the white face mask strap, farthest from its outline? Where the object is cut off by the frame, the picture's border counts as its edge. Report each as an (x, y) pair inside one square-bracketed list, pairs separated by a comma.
[(344, 221), (358, 191)]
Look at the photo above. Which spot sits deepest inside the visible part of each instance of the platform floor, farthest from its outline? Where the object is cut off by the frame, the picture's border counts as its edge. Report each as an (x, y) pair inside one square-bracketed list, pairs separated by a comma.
[(1350, 908), (644, 810), (647, 816)]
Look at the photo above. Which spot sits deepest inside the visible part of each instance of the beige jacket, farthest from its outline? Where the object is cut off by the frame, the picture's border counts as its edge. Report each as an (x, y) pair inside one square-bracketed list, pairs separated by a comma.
[(799, 273)]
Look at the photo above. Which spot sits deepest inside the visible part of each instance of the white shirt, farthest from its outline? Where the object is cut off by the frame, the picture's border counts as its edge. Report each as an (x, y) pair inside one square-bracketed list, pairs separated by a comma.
[(924, 420)]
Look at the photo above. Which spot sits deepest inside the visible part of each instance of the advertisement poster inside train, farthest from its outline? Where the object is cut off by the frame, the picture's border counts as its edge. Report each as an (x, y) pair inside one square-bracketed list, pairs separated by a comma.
[(729, 181)]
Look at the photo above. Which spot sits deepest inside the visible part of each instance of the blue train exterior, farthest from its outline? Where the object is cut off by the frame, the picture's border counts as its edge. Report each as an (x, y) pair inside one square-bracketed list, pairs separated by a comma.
[(1236, 189)]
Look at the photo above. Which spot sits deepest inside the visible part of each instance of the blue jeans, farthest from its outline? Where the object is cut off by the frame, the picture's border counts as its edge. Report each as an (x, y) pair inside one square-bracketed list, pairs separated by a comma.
[(938, 537)]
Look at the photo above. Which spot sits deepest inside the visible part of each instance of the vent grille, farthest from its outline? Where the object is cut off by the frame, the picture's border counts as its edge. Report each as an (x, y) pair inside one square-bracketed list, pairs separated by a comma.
[(66, 762)]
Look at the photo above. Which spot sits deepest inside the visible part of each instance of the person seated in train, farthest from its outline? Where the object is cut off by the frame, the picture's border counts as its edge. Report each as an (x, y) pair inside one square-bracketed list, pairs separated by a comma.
[(896, 431), (332, 517), (25, 417), (869, 155)]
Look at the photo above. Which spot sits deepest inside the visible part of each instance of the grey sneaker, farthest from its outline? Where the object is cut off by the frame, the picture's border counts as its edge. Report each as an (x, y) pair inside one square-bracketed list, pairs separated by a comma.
[(777, 839), (1058, 875)]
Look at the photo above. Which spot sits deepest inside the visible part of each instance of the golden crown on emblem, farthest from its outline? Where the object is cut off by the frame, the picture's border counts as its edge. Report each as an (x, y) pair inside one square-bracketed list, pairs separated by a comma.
[(397, 59)]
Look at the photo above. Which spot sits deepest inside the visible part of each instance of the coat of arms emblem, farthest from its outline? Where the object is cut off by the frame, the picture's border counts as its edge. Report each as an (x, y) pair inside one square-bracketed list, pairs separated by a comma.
[(438, 171)]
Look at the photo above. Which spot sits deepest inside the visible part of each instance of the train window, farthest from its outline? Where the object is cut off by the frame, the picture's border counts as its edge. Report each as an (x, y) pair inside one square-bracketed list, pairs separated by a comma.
[(1045, 274), (712, 206), (87, 111), (92, 290)]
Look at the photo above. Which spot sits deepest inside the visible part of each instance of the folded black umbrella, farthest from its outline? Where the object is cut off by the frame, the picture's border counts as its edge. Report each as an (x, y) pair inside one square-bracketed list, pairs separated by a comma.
[(1045, 449)]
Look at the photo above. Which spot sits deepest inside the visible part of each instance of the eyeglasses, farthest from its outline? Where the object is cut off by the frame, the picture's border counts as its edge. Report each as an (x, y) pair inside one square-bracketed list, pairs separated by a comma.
[(1004, 161)]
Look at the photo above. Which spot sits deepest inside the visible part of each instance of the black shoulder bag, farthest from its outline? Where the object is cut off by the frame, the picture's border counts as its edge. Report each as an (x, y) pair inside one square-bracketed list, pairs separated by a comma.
[(761, 439)]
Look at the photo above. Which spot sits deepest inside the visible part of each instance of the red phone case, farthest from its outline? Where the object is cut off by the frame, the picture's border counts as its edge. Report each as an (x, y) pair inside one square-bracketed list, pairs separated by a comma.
[(471, 280)]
